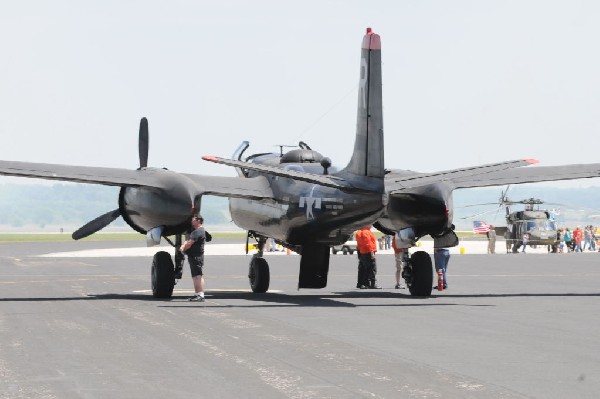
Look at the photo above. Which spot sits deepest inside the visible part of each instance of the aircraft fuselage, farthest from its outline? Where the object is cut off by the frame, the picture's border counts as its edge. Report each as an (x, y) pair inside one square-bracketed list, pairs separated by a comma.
[(305, 212)]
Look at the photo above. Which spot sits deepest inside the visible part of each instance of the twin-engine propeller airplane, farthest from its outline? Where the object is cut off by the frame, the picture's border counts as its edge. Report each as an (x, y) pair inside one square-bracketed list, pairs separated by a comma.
[(298, 198)]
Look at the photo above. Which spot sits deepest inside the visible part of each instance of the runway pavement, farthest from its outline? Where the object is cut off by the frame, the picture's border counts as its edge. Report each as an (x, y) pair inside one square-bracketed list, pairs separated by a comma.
[(509, 326), (466, 247)]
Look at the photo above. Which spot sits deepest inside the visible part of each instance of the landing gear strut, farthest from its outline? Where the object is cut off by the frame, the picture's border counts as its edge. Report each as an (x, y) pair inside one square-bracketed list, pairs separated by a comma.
[(418, 273), (258, 272)]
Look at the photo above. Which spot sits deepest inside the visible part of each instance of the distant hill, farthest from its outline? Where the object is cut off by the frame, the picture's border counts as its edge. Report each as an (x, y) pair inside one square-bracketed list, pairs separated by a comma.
[(43, 207)]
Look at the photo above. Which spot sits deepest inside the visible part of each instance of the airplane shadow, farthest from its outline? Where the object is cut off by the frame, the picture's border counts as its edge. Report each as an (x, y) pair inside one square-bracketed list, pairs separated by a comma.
[(345, 299)]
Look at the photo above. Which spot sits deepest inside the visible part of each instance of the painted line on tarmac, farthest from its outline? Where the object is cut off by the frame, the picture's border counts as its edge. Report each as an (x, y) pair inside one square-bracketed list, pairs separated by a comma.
[(464, 248), (210, 250)]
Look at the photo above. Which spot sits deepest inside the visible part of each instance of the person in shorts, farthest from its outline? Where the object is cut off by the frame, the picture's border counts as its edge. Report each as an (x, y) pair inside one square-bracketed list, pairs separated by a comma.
[(193, 247)]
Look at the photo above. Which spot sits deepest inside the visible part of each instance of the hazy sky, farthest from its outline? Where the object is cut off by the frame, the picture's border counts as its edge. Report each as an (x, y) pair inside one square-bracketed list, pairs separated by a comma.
[(465, 82)]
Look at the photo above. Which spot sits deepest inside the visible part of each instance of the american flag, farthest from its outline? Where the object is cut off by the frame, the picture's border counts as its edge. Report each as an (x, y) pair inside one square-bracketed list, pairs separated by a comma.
[(480, 227)]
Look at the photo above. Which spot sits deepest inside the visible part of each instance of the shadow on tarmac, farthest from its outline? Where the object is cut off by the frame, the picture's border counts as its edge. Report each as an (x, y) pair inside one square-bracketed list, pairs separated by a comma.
[(336, 299)]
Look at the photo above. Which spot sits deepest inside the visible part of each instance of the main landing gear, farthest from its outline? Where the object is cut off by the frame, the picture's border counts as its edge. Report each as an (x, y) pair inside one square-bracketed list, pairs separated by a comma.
[(418, 273), (164, 274), (258, 272)]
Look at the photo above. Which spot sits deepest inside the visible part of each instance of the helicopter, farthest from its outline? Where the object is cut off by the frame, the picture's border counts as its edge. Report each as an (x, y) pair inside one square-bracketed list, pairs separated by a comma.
[(539, 224)]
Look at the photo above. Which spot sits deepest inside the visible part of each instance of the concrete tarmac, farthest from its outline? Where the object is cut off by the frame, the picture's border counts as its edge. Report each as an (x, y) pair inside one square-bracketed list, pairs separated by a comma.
[(509, 326)]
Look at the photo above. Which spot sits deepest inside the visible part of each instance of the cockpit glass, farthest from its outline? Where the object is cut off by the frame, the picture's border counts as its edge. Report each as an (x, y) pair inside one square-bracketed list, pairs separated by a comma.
[(543, 225)]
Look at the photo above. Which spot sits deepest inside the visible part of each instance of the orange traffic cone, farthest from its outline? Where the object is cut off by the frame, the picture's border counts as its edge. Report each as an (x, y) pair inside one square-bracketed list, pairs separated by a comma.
[(440, 286)]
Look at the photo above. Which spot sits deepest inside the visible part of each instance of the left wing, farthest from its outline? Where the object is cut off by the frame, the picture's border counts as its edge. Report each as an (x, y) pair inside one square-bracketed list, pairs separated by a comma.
[(251, 188), (79, 174)]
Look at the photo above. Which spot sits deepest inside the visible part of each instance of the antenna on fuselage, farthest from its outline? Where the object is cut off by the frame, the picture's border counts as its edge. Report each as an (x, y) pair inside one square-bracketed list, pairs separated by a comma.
[(281, 146)]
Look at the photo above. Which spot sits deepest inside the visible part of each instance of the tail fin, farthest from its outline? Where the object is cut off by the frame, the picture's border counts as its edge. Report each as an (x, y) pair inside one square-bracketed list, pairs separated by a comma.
[(367, 159)]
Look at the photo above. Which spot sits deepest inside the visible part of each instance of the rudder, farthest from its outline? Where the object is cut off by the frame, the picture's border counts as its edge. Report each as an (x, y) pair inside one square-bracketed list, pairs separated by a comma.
[(367, 158)]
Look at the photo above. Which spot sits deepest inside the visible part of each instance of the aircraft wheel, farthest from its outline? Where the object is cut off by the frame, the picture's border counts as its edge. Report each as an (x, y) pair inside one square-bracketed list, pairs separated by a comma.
[(333, 250), (259, 275), (163, 275), (345, 251), (422, 274)]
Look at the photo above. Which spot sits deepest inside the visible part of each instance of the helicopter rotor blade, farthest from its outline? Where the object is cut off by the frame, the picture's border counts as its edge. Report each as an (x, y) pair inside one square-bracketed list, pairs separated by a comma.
[(478, 214)]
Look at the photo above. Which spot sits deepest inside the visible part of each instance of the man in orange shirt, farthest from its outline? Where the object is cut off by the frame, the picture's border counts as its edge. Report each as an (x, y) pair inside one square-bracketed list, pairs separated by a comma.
[(367, 268), (577, 237)]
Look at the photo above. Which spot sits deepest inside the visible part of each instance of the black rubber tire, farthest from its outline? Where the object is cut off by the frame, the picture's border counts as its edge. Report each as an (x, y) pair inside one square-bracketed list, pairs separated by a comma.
[(162, 275), (259, 275), (422, 274), (351, 251), (333, 250), (345, 250)]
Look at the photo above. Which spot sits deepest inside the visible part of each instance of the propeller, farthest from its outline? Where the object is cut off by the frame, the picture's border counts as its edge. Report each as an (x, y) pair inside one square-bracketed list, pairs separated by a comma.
[(143, 143), (95, 225), (104, 220)]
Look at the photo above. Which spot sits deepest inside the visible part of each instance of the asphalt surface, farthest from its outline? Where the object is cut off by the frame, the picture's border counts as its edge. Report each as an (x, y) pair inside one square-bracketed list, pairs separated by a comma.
[(509, 326)]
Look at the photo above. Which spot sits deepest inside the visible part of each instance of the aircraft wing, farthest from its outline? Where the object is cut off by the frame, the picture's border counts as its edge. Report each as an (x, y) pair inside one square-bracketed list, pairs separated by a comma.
[(529, 175), (323, 180), (252, 188), (400, 181), (257, 188), (78, 174)]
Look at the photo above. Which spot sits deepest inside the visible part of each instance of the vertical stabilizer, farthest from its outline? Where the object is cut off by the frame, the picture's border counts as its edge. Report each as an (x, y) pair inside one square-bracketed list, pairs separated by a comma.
[(367, 159)]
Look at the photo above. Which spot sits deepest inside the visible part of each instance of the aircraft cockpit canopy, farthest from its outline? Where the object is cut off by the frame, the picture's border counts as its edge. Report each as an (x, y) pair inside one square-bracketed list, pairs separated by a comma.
[(543, 225), (301, 155)]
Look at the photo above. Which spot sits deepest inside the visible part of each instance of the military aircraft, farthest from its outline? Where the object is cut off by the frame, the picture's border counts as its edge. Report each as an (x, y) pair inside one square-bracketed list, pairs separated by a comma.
[(298, 198), (539, 224)]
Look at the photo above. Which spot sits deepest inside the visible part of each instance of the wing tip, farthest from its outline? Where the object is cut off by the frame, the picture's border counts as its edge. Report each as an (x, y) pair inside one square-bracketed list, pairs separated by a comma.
[(211, 158), (531, 161)]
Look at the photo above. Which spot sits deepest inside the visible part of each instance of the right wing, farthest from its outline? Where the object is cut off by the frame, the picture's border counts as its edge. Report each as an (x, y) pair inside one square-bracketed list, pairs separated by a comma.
[(490, 175), (530, 175), (397, 182)]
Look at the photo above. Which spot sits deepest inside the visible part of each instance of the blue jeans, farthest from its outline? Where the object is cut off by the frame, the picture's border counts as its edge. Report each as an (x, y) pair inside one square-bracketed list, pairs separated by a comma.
[(441, 257)]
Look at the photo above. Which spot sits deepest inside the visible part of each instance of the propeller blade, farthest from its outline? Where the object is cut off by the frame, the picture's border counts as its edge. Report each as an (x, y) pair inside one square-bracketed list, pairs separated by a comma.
[(143, 143), (96, 225)]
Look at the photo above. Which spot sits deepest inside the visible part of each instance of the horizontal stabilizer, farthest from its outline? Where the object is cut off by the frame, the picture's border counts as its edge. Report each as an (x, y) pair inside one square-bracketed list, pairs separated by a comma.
[(323, 180)]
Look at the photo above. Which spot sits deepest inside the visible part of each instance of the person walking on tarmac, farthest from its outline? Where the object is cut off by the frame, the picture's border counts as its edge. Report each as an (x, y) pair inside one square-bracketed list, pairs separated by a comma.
[(441, 257), (491, 235), (399, 263), (367, 268)]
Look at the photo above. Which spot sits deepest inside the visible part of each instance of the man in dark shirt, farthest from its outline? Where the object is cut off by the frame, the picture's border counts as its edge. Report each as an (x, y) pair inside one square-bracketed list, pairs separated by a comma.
[(193, 247)]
